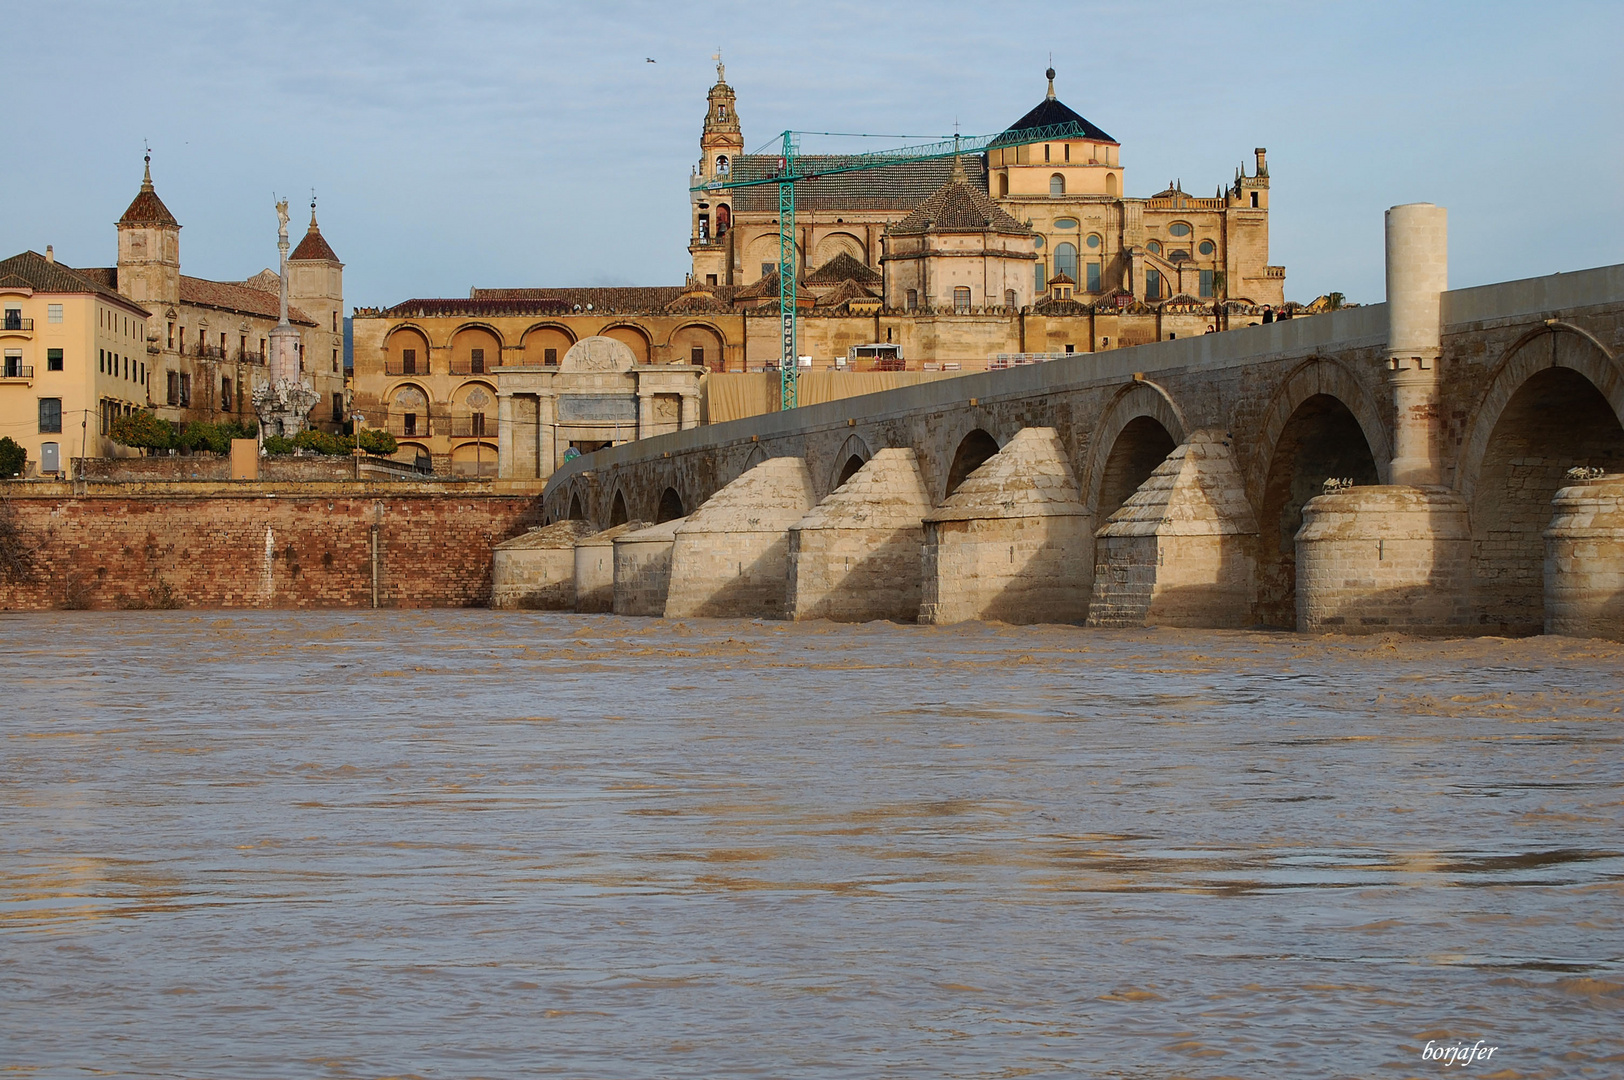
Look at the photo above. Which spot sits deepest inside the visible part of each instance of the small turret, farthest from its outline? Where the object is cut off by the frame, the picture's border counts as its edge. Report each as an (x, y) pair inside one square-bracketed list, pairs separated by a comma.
[(149, 248)]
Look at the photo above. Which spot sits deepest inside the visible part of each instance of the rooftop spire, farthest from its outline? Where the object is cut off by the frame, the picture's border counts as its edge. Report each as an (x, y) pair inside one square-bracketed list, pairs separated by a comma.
[(1050, 74), (146, 179), (958, 171), (313, 227)]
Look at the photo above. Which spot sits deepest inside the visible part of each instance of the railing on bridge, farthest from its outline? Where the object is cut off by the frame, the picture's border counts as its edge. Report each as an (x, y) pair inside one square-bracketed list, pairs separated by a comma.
[(1000, 361)]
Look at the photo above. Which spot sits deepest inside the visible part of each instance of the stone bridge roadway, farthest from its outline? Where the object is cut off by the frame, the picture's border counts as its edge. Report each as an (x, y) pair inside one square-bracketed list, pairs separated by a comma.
[(1166, 484)]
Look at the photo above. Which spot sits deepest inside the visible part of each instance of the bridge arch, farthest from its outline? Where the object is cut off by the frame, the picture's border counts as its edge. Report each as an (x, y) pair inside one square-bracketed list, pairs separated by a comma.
[(1554, 403), (757, 455), (576, 513), (853, 455), (974, 450), (1321, 424), (617, 510), (1138, 421), (671, 507)]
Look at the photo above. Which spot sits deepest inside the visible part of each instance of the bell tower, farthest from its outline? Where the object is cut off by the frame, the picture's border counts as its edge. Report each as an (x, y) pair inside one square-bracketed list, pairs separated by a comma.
[(149, 250), (710, 235)]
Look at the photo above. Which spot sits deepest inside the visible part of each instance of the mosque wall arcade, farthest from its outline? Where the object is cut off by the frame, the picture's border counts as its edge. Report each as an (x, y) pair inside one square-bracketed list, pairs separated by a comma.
[(1171, 483)]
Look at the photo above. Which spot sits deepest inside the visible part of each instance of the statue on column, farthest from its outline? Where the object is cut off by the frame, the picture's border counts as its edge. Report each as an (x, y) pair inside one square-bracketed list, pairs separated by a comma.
[(285, 399)]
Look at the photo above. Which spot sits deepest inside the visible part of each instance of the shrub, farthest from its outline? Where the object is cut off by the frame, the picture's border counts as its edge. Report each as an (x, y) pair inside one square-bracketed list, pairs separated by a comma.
[(277, 445), (377, 441), (144, 431), (12, 457)]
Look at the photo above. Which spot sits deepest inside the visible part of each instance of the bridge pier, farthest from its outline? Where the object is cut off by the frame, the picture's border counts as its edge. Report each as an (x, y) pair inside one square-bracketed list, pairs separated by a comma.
[(1182, 551), (1584, 560), (1014, 543), (595, 568), (1397, 557), (643, 568), (730, 558), (856, 556), (536, 570)]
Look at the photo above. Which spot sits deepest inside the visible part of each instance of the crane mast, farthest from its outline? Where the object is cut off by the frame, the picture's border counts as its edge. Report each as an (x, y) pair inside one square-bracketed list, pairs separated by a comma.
[(790, 170)]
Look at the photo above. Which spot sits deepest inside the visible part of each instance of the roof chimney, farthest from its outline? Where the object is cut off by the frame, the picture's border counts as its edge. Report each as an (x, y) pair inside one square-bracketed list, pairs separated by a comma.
[(50, 254), (1263, 161)]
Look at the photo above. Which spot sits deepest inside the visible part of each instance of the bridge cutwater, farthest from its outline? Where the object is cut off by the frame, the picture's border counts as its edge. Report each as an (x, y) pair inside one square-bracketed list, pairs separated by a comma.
[(1445, 463)]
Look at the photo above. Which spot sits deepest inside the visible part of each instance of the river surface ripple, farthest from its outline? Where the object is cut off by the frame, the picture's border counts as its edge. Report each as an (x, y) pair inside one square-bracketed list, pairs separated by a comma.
[(459, 843)]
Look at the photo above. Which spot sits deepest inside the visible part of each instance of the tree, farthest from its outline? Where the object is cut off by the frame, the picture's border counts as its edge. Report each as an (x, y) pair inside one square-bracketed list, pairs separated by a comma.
[(143, 430), (12, 457), (377, 442)]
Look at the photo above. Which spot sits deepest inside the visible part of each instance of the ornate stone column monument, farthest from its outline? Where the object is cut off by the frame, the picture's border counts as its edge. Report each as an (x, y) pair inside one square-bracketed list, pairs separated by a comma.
[(284, 401), (1397, 557)]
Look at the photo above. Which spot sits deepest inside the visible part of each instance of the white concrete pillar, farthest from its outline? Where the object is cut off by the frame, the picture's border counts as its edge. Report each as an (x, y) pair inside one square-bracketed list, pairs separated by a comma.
[(1417, 275), (546, 435)]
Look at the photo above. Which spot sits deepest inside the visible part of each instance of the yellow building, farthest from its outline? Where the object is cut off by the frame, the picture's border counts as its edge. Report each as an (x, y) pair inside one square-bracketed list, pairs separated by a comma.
[(75, 358)]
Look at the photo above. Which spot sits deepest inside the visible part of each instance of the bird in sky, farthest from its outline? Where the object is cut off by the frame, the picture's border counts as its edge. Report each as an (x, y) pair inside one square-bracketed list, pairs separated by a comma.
[(650, 59)]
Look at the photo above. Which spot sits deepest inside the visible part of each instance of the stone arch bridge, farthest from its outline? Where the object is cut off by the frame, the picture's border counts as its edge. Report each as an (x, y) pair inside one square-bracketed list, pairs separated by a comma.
[(1183, 482)]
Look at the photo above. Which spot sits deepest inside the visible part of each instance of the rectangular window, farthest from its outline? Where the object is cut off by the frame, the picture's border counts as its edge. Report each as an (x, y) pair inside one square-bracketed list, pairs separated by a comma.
[(338, 408), (53, 313), (913, 300), (101, 361), (183, 339), (53, 359), (335, 359), (225, 395), (1043, 280), (768, 269), (1093, 277), (174, 388), (408, 361), (549, 357), (1206, 283), (14, 364), (186, 390), (961, 299), (1068, 151), (1254, 200), (477, 424), (171, 335), (409, 424), (696, 356), (476, 361), (1153, 284)]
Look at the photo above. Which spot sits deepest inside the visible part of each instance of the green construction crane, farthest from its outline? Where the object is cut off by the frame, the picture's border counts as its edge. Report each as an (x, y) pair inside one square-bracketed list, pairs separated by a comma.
[(790, 169)]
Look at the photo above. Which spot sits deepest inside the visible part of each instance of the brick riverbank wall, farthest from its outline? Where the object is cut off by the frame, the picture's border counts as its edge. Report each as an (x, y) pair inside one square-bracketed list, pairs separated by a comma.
[(258, 545)]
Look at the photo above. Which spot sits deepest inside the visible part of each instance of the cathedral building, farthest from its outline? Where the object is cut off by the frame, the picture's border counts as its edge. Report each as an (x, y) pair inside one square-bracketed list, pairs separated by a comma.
[(1069, 195), (1028, 249)]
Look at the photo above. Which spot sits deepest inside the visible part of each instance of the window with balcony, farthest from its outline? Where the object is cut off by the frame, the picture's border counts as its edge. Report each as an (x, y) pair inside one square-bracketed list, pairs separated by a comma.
[(15, 368), (408, 423), (408, 362), (14, 318), (476, 361), (549, 357)]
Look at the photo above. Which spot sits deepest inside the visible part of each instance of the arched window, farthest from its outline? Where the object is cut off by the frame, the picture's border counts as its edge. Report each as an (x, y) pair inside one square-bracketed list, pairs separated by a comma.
[(1110, 184), (1154, 248), (1009, 298), (724, 219), (721, 165), (1065, 260), (961, 298), (1003, 185), (1057, 184), (913, 299)]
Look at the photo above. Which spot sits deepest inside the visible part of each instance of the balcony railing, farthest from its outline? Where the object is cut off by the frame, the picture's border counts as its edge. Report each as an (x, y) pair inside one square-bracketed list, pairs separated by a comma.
[(412, 427), (17, 323), (209, 352), (477, 426), (15, 370), (401, 367), (250, 356), (469, 367)]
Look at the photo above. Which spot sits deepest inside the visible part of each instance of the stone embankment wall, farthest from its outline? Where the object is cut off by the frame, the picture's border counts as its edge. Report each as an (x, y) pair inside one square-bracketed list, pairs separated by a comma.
[(206, 467), (244, 545)]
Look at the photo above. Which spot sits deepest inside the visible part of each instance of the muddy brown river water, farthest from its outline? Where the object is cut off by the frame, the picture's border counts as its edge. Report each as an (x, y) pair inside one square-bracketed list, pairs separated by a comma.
[(466, 843)]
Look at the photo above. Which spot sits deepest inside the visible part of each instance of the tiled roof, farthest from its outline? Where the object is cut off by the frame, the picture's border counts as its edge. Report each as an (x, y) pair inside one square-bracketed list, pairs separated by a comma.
[(314, 245), (243, 299), (1047, 113), (147, 208), (767, 289), (479, 308), (958, 206), (846, 291), (611, 299), (697, 300), (842, 267), (36, 272), (889, 187)]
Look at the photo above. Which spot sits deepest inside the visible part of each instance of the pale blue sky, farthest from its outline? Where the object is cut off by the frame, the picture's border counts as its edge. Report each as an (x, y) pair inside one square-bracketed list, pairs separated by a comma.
[(511, 144)]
